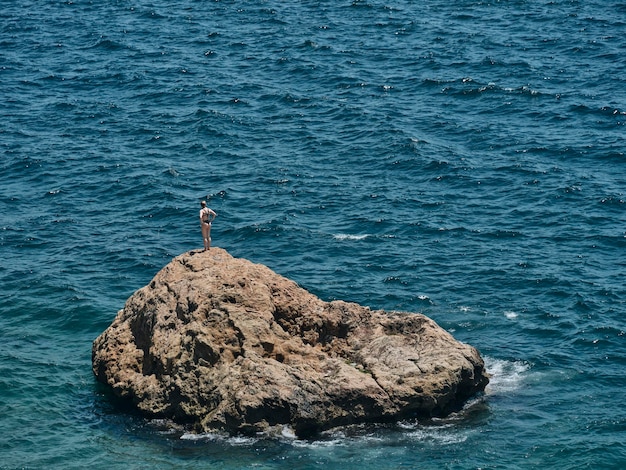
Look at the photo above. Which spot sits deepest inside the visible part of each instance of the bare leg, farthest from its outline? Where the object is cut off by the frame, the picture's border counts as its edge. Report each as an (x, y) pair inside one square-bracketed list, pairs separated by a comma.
[(206, 236)]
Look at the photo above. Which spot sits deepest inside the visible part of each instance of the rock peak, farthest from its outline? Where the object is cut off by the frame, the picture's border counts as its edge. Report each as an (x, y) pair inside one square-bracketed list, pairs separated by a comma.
[(222, 344)]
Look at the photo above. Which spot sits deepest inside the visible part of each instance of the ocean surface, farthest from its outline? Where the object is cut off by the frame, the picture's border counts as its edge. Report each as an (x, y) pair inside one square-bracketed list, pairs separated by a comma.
[(461, 159)]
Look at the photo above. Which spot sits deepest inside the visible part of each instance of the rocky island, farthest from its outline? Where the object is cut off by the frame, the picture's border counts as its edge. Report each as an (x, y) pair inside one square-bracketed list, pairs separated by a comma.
[(219, 343)]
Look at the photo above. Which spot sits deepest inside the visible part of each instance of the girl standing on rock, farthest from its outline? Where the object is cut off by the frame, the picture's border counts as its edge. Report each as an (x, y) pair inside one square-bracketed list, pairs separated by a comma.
[(207, 216)]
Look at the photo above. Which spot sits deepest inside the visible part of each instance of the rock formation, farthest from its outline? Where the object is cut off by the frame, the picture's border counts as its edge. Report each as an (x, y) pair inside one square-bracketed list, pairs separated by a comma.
[(219, 343)]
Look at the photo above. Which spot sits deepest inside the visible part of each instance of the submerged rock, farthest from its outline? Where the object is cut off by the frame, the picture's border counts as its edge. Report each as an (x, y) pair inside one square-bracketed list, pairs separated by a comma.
[(220, 343)]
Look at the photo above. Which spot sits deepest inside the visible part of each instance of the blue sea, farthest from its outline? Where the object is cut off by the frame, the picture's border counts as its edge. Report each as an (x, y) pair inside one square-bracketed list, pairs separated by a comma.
[(461, 159)]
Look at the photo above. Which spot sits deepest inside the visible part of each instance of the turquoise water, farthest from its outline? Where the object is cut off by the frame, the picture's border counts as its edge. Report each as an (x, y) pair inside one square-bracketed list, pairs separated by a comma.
[(461, 159)]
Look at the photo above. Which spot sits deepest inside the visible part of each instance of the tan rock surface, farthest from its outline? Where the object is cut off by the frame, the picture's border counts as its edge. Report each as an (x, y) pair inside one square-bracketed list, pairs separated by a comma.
[(220, 343)]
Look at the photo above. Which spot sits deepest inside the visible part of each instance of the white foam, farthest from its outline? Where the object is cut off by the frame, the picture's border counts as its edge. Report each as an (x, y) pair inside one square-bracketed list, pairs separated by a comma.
[(284, 432), (188, 436), (242, 441), (510, 315), (346, 236), (506, 376), (288, 433), (336, 439), (440, 434), (235, 441)]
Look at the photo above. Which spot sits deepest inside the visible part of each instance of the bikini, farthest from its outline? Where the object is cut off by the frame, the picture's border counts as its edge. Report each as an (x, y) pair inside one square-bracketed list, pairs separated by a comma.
[(207, 220)]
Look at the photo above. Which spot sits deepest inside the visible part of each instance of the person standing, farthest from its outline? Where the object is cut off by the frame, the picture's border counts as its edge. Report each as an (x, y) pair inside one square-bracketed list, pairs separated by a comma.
[(206, 217)]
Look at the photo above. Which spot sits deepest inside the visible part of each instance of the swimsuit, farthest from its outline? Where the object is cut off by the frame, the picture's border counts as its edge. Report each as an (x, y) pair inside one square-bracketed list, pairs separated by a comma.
[(207, 220)]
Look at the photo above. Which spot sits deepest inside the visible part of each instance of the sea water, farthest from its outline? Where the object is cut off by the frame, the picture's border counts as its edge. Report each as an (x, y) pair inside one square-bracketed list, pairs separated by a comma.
[(461, 159)]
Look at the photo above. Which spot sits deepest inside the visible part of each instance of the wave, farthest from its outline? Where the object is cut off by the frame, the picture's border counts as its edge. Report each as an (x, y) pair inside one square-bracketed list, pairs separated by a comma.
[(506, 376), (346, 236), (107, 45)]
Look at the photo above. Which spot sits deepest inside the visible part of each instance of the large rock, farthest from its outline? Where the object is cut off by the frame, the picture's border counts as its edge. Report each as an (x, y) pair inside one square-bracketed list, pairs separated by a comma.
[(220, 343)]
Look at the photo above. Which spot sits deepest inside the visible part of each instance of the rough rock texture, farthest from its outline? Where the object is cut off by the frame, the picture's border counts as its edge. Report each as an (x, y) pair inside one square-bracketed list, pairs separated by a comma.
[(220, 343)]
